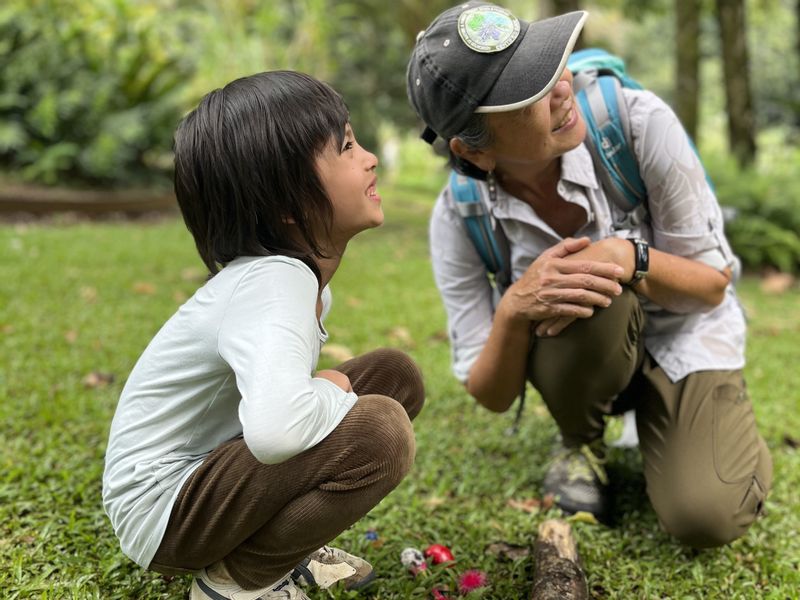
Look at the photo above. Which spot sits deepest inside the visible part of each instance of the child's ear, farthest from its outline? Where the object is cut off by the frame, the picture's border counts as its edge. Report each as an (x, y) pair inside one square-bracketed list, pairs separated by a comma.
[(483, 159)]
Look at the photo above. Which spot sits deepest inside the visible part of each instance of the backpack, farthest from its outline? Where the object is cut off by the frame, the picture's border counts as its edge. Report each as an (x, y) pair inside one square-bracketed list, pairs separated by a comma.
[(598, 79)]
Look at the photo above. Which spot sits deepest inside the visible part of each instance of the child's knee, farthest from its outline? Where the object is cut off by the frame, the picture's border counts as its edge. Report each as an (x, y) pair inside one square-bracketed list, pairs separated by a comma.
[(386, 435), (411, 393)]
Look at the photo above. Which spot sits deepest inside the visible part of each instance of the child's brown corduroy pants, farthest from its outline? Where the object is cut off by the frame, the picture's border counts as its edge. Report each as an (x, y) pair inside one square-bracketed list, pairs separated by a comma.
[(262, 520)]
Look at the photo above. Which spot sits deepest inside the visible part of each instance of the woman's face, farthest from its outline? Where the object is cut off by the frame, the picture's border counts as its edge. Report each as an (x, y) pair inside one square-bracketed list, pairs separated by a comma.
[(348, 175), (538, 133)]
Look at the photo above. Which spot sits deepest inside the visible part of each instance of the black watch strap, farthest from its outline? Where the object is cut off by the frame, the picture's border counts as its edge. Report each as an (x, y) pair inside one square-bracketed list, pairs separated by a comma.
[(642, 256)]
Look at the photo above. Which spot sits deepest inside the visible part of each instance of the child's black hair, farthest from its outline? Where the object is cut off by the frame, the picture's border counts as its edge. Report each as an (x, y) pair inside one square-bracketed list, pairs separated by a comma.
[(244, 167)]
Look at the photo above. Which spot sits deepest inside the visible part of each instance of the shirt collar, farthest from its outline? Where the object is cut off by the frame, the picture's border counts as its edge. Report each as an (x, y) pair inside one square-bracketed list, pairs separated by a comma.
[(577, 167)]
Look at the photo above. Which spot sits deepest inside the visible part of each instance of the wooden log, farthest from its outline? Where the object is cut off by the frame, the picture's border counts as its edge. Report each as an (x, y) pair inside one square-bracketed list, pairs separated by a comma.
[(557, 573), (40, 200)]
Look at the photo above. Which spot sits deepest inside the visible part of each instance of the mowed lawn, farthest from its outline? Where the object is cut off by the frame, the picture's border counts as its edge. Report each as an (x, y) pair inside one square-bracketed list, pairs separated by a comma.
[(80, 301)]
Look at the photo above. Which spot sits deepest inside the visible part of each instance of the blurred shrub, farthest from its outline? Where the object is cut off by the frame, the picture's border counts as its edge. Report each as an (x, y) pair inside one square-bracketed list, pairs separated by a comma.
[(765, 228), (89, 90)]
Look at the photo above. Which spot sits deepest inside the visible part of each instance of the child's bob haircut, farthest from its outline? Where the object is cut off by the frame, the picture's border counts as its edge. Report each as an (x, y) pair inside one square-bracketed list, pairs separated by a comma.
[(245, 176)]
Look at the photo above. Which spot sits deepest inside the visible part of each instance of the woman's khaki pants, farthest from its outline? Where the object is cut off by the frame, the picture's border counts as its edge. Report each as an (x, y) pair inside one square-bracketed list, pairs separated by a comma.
[(707, 468)]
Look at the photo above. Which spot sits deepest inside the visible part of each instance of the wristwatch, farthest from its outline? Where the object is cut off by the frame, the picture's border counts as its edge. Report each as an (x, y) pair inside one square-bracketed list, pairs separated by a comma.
[(642, 254)]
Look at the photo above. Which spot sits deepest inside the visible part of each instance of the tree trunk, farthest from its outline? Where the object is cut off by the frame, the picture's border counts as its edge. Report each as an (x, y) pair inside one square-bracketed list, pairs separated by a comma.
[(736, 69), (564, 6), (552, 8), (687, 63), (557, 573), (797, 52)]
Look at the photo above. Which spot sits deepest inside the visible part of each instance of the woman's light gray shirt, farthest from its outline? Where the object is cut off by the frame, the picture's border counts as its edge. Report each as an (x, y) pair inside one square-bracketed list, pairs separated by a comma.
[(685, 220)]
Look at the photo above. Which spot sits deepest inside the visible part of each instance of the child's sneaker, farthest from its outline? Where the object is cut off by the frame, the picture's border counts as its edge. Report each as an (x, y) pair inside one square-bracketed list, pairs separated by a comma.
[(331, 566), (205, 588)]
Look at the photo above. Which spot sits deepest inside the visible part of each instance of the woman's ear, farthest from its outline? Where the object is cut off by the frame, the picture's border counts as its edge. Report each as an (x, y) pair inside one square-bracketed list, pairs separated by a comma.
[(483, 159)]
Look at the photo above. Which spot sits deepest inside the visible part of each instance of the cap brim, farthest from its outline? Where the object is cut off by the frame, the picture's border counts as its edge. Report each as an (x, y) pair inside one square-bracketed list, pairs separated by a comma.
[(537, 64)]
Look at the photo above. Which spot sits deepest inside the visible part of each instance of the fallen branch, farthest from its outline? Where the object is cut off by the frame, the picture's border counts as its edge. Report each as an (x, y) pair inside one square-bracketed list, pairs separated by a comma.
[(557, 573)]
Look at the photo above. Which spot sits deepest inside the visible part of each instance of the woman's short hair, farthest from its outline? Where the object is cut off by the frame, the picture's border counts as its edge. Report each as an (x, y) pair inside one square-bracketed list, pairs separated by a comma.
[(476, 135), (245, 176)]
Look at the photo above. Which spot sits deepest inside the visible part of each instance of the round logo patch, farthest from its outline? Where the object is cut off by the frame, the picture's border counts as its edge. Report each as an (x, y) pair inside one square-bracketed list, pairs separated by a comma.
[(488, 28)]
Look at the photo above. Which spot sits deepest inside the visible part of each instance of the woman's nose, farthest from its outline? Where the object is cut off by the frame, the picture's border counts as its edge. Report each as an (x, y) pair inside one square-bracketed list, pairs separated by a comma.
[(562, 89)]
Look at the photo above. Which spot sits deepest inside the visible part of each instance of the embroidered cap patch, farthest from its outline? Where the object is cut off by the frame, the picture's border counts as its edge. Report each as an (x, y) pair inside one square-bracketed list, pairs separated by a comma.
[(488, 28)]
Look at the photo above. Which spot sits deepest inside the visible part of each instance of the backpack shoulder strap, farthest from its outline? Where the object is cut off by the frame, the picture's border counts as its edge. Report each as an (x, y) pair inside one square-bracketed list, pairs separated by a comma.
[(598, 84), (487, 237)]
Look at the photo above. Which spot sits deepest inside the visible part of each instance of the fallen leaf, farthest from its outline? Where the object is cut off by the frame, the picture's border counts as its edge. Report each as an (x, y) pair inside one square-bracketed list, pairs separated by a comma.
[(529, 505), (439, 336), (401, 335), (507, 551), (777, 283), (582, 517), (353, 302), (547, 502), (540, 410), (7, 329), (145, 288), (434, 501), (97, 379), (89, 294), (71, 336), (192, 274), (179, 296), (337, 352)]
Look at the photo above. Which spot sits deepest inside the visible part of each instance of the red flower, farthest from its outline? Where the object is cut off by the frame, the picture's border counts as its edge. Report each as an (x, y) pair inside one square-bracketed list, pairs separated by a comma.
[(471, 580)]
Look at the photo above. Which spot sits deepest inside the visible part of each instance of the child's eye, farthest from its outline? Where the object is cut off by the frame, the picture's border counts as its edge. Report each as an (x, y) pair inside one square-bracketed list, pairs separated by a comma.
[(347, 146)]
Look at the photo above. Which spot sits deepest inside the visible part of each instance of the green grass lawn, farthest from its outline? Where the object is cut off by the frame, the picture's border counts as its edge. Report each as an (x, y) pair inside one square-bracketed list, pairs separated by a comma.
[(80, 299)]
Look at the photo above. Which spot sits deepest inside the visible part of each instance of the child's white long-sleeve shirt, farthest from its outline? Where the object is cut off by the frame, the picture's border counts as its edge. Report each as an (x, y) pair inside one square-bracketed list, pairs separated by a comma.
[(236, 359)]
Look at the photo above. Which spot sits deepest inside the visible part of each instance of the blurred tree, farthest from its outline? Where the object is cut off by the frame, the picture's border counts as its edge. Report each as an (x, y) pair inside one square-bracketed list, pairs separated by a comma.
[(550, 8), (687, 63), (736, 68), (796, 107), (88, 90)]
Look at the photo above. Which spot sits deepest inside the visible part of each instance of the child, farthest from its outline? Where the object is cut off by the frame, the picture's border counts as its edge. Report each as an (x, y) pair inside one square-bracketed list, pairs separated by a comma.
[(229, 457)]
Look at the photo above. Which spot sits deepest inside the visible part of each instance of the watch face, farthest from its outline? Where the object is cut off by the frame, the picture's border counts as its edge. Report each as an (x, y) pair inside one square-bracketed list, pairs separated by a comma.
[(642, 259)]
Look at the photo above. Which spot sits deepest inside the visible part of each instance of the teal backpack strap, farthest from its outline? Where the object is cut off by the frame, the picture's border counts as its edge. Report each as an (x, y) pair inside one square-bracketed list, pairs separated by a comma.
[(608, 134), (598, 81), (599, 61), (488, 240)]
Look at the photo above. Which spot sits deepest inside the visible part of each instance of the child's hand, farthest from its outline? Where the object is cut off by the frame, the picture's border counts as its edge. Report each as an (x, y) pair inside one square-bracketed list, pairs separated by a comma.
[(336, 377)]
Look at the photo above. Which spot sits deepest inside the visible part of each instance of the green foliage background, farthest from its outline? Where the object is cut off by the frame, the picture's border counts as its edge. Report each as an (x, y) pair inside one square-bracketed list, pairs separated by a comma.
[(90, 92)]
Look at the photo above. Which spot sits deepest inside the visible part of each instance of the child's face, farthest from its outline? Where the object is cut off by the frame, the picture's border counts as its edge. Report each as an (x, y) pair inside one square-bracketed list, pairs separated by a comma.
[(348, 175)]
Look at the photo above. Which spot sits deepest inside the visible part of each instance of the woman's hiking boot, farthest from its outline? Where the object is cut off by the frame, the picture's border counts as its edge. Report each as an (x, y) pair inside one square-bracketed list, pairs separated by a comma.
[(577, 479)]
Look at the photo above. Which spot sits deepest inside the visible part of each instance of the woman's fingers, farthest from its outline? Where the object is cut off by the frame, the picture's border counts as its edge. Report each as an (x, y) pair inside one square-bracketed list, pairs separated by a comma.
[(553, 326)]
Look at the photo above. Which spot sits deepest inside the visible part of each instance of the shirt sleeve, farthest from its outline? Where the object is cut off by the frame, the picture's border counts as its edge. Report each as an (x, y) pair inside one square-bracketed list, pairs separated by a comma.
[(270, 338), (463, 284), (685, 216)]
